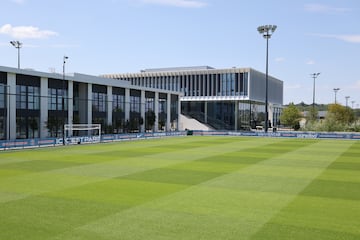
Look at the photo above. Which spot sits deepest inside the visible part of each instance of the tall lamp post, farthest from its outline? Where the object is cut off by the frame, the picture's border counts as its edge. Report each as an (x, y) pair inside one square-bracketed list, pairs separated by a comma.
[(314, 76), (17, 45), (335, 91), (63, 97), (347, 99), (267, 31)]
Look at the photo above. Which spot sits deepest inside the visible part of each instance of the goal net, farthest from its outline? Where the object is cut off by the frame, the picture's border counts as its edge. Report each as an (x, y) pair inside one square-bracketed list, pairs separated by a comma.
[(82, 133)]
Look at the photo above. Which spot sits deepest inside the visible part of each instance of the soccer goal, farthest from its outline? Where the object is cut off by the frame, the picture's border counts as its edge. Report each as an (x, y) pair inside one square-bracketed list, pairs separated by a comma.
[(82, 133)]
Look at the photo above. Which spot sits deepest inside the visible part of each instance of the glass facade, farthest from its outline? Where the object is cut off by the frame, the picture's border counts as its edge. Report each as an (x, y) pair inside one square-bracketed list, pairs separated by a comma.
[(3, 110), (150, 116), (57, 99), (99, 102), (251, 115), (27, 106), (99, 105), (40, 104), (27, 97), (205, 84), (135, 120), (173, 112), (57, 95), (162, 114), (221, 98), (118, 110)]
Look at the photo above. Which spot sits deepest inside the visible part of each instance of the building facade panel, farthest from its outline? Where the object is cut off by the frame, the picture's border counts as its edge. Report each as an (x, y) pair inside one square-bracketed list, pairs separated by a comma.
[(234, 98), (36, 104)]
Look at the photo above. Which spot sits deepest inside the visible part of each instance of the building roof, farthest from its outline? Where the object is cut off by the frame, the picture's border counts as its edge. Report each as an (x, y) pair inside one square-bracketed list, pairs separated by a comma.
[(177, 69)]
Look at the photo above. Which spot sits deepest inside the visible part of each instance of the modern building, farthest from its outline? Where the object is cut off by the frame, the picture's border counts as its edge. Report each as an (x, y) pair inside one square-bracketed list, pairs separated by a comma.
[(37, 105), (231, 99)]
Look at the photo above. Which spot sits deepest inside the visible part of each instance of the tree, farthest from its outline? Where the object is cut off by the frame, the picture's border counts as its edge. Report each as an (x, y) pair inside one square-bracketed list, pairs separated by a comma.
[(291, 116), (118, 124), (313, 114), (150, 119), (340, 114), (33, 125), (54, 125)]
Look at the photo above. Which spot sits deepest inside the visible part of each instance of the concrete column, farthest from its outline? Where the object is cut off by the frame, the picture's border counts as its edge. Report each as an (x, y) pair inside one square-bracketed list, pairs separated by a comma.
[(11, 106), (178, 114), (212, 85), (178, 83), (216, 85), (271, 114), (127, 104), (43, 107), (188, 85), (168, 112), (89, 103), (236, 114), (142, 109), (70, 101), (109, 105), (208, 85), (191, 93), (156, 110), (206, 111)]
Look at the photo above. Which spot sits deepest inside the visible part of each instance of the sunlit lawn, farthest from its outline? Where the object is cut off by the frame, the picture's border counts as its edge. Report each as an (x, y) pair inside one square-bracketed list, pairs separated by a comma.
[(183, 188)]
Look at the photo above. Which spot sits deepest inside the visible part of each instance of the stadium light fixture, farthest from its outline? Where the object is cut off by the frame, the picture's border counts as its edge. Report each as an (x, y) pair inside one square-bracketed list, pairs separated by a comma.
[(17, 45), (267, 31), (335, 91), (314, 76), (63, 96), (347, 99)]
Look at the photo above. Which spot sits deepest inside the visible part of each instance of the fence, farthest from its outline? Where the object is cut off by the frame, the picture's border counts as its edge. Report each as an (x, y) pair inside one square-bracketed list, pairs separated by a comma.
[(46, 142), (49, 142)]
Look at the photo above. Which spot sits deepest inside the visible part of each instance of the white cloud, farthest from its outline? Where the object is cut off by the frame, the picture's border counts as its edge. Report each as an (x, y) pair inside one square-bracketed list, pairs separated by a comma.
[(18, 1), (177, 3), (351, 38), (64, 46), (22, 32), (310, 62), (357, 85), (321, 8), (279, 59)]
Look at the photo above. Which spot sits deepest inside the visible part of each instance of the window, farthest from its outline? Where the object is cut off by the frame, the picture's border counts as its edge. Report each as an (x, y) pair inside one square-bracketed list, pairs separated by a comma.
[(2, 96), (21, 127), (57, 99), (135, 104), (27, 97), (118, 102), (99, 102), (149, 104)]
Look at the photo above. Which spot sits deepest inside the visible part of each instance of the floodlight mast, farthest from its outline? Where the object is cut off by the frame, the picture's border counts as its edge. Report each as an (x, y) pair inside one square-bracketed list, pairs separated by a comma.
[(63, 96), (314, 76), (347, 99), (335, 91), (17, 45), (267, 31)]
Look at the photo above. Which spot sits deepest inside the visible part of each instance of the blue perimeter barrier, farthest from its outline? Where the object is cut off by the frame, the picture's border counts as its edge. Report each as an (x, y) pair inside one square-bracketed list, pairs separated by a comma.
[(46, 142), (313, 135)]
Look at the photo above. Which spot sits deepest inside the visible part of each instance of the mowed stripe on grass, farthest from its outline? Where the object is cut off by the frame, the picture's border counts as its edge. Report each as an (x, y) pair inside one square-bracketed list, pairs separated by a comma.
[(178, 188)]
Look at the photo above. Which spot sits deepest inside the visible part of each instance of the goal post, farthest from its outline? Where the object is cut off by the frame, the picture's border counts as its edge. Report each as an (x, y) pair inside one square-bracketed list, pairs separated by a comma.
[(82, 133)]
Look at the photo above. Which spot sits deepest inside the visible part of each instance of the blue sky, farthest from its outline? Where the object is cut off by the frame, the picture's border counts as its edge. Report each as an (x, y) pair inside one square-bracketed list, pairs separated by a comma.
[(118, 36)]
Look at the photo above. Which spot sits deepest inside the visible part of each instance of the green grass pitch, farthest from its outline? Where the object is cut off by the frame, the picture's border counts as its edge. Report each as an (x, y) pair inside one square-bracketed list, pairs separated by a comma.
[(183, 188)]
